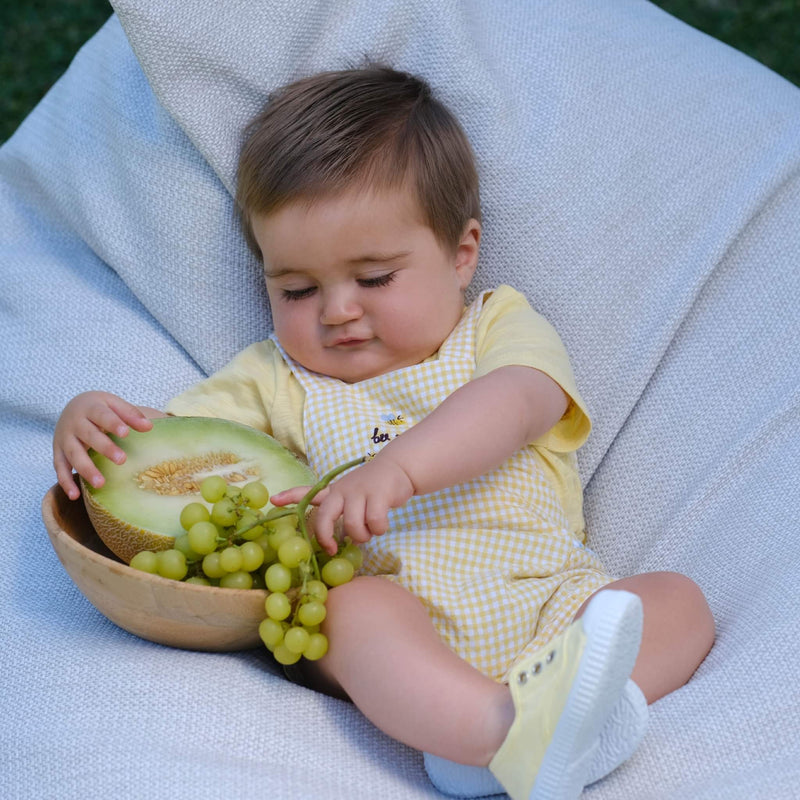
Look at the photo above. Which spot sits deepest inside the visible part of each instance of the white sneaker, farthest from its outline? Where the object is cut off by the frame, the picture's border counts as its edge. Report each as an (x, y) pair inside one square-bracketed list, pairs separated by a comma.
[(619, 740), (577, 715)]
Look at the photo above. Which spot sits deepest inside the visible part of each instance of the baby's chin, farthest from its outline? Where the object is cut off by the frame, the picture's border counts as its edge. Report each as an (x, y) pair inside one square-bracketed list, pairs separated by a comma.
[(355, 367)]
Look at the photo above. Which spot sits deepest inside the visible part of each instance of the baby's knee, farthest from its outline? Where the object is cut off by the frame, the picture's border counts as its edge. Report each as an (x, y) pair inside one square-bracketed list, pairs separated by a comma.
[(689, 604), (700, 607), (369, 594)]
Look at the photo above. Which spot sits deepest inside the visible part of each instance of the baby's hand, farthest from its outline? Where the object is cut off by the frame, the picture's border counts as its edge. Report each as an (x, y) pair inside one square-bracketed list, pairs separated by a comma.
[(83, 424), (362, 499)]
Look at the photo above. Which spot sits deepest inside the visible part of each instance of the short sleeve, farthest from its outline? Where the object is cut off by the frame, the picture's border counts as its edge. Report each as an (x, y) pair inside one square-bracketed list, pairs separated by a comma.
[(243, 390), (511, 333)]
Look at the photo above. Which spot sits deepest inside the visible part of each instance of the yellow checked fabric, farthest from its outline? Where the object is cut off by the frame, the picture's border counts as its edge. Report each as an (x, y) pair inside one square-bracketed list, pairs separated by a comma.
[(493, 560), (258, 388)]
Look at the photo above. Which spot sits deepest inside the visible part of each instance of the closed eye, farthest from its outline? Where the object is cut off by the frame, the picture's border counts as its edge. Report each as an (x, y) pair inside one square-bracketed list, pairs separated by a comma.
[(378, 280), (298, 294)]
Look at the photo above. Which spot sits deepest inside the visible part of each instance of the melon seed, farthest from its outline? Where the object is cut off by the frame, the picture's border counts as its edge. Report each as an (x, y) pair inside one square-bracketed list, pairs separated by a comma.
[(177, 476)]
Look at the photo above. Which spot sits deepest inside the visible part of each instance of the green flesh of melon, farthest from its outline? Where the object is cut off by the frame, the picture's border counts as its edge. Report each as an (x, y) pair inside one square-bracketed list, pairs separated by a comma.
[(139, 506)]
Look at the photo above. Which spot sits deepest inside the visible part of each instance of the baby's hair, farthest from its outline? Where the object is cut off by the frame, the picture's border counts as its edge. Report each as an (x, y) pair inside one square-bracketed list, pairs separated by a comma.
[(370, 126)]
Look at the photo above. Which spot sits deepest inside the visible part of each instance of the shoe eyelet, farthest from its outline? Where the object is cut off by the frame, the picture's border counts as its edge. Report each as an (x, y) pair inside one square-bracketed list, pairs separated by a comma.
[(522, 678), (537, 668), (550, 656)]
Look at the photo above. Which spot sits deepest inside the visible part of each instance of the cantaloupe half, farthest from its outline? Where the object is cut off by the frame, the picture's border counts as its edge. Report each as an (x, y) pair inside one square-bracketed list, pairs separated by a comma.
[(138, 507)]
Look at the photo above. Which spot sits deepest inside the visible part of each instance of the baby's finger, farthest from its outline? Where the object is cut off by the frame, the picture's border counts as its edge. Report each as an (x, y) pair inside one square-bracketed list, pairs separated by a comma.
[(64, 474), (104, 418), (76, 455), (354, 520), (293, 495), (131, 415), (92, 437), (327, 514), (376, 517)]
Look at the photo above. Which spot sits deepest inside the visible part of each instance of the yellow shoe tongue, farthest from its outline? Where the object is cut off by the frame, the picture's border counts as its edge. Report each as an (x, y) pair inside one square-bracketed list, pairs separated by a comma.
[(540, 686)]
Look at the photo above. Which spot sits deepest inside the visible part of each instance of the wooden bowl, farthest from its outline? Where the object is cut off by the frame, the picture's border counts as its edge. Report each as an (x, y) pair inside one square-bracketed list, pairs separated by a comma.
[(155, 608)]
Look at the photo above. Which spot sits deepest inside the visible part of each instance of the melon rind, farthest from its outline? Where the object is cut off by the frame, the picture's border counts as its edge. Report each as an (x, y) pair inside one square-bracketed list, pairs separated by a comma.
[(129, 519)]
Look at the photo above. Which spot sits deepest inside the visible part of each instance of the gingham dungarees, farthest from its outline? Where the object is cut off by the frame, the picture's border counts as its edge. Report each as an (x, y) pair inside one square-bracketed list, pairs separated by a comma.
[(492, 560)]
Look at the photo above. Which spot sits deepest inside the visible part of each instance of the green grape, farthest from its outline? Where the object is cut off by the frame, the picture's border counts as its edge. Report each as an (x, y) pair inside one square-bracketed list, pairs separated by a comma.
[(297, 566), (311, 613), (223, 512), (194, 512), (277, 606), (317, 646), (285, 656), (145, 561), (213, 488), (352, 552), (211, 566), (203, 537), (247, 519), (255, 494), (199, 581), (172, 564), (254, 533), (252, 556), (317, 590), (288, 522), (278, 578), (296, 640), (230, 559), (182, 544), (279, 534), (293, 551), (233, 493), (323, 558), (237, 580), (337, 571), (271, 632), (269, 553)]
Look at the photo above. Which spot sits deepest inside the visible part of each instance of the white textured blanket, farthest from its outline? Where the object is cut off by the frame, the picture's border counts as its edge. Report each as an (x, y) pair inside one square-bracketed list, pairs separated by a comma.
[(640, 184)]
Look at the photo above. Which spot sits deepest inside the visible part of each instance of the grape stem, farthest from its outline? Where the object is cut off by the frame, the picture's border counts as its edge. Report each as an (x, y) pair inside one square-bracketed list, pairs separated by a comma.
[(301, 507), (300, 510)]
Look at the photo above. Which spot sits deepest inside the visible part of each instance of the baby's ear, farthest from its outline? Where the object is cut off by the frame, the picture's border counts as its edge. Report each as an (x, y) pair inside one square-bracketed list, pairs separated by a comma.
[(466, 257)]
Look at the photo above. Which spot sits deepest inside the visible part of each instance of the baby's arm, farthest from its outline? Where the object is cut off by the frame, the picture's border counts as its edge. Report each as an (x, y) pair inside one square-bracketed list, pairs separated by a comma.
[(473, 431), (478, 427), (83, 424)]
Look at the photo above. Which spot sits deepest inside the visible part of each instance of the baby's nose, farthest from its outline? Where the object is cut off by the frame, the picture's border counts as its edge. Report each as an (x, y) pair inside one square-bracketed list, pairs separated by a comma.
[(339, 306)]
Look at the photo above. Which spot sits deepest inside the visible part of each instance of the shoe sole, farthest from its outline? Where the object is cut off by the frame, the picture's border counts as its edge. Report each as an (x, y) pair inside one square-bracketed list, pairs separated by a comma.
[(622, 734), (613, 627)]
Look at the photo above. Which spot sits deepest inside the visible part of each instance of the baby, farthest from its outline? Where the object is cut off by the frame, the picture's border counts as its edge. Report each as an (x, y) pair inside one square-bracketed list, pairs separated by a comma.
[(481, 630)]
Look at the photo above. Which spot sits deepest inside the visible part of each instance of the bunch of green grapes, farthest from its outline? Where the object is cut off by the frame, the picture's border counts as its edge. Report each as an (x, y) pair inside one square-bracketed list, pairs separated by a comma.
[(234, 544)]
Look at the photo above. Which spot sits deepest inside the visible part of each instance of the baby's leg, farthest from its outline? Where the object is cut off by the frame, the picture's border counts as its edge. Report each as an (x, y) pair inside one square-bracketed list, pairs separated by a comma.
[(678, 630), (387, 657)]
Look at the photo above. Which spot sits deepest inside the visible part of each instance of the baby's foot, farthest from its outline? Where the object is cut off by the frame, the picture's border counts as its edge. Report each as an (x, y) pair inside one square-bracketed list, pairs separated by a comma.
[(563, 695), (618, 741)]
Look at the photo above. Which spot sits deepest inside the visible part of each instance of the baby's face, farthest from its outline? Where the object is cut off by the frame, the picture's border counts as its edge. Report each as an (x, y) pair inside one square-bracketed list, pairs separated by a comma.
[(359, 285)]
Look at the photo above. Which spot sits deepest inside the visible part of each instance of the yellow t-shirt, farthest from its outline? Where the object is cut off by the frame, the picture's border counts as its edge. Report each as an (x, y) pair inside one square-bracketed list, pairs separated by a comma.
[(257, 388)]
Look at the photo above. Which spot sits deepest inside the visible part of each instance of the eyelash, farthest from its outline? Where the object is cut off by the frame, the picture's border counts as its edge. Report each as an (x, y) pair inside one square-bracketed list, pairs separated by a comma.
[(297, 294), (300, 294), (379, 280)]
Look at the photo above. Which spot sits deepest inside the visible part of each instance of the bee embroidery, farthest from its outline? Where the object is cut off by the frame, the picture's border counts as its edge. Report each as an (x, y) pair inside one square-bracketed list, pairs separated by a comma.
[(378, 436)]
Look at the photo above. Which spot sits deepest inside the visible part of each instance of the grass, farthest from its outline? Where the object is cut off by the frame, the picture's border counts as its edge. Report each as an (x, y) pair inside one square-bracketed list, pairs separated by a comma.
[(38, 39), (767, 30)]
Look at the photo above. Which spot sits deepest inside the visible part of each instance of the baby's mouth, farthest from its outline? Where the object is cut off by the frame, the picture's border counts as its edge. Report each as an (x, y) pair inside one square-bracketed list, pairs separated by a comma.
[(347, 342)]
